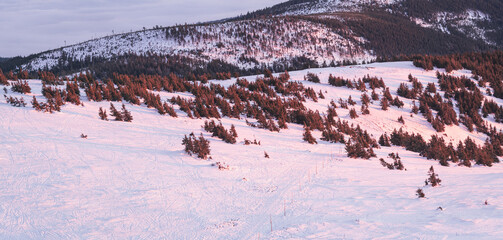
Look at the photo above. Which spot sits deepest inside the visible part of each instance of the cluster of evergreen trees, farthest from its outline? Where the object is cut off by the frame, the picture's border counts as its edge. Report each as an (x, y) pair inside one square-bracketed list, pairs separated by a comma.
[(218, 130), (198, 146), (438, 149), (397, 162), (487, 67), (21, 87), (50, 106), (14, 101), (124, 115)]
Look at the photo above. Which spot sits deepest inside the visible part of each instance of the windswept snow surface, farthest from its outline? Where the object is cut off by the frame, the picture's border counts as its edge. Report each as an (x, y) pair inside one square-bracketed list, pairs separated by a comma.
[(134, 181)]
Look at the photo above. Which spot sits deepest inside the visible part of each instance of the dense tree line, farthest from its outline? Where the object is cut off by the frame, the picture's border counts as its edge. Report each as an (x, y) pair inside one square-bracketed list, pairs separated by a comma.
[(437, 148), (402, 36)]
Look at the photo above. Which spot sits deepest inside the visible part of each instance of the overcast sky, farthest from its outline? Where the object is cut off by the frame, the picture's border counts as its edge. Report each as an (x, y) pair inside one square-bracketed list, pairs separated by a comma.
[(32, 26)]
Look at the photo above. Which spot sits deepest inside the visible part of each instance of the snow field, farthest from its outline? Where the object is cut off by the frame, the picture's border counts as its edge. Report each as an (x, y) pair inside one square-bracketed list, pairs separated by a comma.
[(133, 180)]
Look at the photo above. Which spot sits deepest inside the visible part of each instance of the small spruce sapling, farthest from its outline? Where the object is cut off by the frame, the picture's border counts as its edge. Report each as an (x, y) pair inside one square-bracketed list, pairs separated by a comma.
[(420, 193), (352, 113), (433, 178), (400, 120), (233, 131), (103, 114), (126, 115), (308, 137), (384, 103), (115, 113)]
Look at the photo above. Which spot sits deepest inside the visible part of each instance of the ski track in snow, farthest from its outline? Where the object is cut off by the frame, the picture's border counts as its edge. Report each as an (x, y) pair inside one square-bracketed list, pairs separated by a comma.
[(133, 180)]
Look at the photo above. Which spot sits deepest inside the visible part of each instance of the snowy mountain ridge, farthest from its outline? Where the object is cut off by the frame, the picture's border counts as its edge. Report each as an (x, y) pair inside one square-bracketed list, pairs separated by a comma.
[(320, 32), (471, 20), (247, 44)]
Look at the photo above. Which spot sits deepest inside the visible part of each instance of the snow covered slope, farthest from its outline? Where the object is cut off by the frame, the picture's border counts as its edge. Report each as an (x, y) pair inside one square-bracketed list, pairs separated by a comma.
[(133, 180), (477, 20), (469, 22), (246, 44)]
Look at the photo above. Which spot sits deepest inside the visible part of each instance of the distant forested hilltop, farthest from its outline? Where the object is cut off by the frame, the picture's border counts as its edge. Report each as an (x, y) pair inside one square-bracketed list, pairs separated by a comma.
[(290, 36)]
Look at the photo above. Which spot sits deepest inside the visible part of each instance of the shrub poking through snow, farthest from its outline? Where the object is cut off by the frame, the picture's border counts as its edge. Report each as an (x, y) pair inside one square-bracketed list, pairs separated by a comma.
[(21, 87), (397, 102), (384, 140), (414, 109), (365, 110), (15, 102), (308, 137), (420, 193), (374, 95), (365, 99), (103, 114), (356, 149), (49, 107), (197, 146), (123, 115), (312, 78), (115, 113), (433, 178), (400, 120), (332, 135), (222, 166), (168, 109), (386, 165), (320, 95), (337, 81), (233, 131), (384, 103), (249, 142), (396, 165), (126, 114), (351, 101), (219, 131), (352, 113)]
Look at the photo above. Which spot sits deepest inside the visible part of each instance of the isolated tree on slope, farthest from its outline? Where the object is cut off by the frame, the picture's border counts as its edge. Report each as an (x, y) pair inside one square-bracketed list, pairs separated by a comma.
[(433, 178), (126, 114), (115, 113), (35, 104), (103, 114), (233, 131), (384, 103), (308, 137)]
